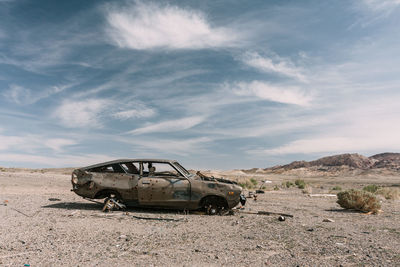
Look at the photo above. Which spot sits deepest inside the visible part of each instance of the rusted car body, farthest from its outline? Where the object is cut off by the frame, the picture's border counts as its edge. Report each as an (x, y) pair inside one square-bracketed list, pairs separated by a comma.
[(155, 183)]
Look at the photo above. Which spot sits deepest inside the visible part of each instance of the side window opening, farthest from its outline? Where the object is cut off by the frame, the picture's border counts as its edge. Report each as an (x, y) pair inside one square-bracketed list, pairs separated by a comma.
[(130, 168), (156, 169), (114, 168)]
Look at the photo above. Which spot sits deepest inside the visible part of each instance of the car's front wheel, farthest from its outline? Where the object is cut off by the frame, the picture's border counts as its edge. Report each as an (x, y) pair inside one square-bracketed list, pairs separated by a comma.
[(214, 205)]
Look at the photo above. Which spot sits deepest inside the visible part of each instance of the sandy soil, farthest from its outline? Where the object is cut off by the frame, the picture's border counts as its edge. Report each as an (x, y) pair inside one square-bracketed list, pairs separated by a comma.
[(74, 232)]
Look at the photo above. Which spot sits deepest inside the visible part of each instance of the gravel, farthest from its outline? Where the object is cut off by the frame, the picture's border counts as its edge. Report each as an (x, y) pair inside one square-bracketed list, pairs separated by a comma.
[(70, 231)]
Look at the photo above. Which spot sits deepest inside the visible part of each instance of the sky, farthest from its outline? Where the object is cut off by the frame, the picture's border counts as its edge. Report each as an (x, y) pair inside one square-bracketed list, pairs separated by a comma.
[(216, 84)]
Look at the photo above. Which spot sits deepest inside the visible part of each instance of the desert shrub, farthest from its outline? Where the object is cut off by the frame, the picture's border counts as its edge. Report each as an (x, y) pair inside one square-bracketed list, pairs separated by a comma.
[(336, 188), (300, 183), (371, 188), (276, 188), (253, 181), (247, 184), (389, 193), (358, 200), (288, 184)]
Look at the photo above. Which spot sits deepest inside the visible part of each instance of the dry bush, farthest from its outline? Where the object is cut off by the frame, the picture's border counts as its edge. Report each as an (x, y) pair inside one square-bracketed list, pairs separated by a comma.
[(389, 192), (358, 200), (371, 188), (307, 189), (300, 183), (248, 183), (287, 184), (254, 182)]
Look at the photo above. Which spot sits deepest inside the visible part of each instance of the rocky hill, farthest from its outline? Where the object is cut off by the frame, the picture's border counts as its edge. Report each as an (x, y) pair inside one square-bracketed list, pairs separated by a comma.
[(339, 163)]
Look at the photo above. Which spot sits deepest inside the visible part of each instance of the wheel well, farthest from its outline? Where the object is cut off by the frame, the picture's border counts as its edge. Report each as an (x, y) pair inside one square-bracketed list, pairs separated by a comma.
[(106, 193), (218, 200)]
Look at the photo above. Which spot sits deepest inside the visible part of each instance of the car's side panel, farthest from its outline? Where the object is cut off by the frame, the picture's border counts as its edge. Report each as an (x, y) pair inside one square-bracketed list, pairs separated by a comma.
[(164, 191), (124, 184)]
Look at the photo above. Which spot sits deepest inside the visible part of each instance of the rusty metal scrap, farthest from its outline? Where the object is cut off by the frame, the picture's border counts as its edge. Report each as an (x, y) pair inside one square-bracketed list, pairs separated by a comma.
[(265, 213)]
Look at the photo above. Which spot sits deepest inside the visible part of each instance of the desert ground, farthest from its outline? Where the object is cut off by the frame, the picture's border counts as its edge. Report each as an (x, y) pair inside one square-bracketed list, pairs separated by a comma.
[(45, 224)]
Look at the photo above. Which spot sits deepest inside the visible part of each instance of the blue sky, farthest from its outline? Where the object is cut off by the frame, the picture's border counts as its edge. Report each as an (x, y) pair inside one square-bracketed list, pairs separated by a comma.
[(214, 84)]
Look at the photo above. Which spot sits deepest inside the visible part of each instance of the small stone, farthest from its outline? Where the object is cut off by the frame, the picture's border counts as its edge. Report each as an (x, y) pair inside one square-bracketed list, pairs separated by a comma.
[(310, 229), (328, 220), (122, 237), (281, 218), (196, 250), (259, 246)]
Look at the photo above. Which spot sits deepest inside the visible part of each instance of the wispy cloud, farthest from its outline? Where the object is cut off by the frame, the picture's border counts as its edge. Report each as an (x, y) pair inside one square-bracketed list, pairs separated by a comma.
[(33, 142), (182, 147), (10, 141), (274, 64), (334, 144), (134, 113), (150, 25), (60, 160), (81, 113), (17, 94), (170, 125), (22, 96), (58, 144), (362, 127), (274, 93), (381, 5)]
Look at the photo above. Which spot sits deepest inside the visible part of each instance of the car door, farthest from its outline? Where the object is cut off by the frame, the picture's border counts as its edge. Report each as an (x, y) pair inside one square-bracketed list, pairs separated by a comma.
[(165, 187), (115, 178)]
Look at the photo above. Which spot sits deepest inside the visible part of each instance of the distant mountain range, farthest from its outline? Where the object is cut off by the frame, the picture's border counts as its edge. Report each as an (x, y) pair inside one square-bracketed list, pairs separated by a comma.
[(387, 161)]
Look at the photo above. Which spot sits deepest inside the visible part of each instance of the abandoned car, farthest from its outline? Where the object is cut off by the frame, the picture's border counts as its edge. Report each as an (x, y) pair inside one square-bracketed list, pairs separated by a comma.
[(156, 183)]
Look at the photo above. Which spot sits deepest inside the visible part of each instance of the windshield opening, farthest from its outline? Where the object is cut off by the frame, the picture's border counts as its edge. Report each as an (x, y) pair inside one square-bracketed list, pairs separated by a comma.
[(182, 168)]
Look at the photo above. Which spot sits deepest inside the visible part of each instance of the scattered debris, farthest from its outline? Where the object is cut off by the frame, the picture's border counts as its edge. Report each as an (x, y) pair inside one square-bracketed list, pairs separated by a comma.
[(259, 191), (322, 195), (310, 229), (54, 199), (111, 204), (328, 220), (124, 237), (265, 213), (157, 219)]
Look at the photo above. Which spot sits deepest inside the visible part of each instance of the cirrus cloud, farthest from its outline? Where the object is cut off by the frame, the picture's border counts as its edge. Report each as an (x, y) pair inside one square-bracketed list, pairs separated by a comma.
[(274, 64), (170, 125), (149, 25), (274, 93), (75, 114)]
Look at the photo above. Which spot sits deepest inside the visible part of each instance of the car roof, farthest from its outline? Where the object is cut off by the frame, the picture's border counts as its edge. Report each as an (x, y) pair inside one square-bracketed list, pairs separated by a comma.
[(127, 160)]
